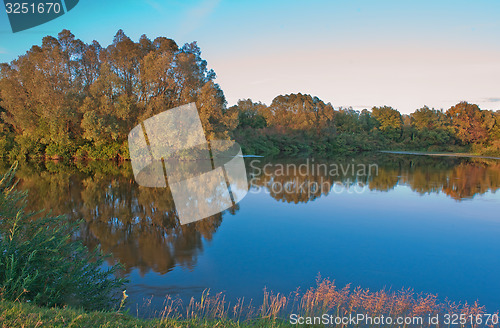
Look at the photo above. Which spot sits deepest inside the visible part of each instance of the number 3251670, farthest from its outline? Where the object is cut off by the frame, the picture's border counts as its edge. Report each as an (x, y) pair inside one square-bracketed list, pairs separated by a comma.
[(31, 8)]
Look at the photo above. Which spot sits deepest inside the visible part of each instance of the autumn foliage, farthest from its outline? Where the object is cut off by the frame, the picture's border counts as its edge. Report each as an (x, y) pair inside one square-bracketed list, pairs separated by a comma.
[(71, 99), (67, 98)]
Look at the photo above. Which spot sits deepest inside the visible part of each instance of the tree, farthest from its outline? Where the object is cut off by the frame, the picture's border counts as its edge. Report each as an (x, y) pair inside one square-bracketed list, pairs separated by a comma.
[(250, 114), (389, 120), (211, 105), (468, 122), (426, 118), (347, 120), (300, 112), (366, 120), (66, 94), (40, 92), (495, 130)]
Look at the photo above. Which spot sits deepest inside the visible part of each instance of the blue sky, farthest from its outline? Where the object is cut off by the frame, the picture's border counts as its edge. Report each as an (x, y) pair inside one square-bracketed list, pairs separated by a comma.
[(350, 53)]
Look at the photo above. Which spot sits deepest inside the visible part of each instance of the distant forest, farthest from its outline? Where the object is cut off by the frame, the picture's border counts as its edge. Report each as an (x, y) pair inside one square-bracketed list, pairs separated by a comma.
[(68, 99)]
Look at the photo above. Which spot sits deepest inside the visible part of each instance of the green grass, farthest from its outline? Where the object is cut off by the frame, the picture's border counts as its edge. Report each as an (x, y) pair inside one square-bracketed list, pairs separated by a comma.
[(16, 314)]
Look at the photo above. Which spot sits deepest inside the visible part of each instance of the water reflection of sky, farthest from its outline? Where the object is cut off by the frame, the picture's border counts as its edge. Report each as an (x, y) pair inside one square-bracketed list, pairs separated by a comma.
[(431, 224), (399, 238)]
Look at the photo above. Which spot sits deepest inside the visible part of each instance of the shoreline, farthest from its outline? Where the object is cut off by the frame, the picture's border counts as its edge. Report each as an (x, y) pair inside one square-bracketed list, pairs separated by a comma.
[(442, 154)]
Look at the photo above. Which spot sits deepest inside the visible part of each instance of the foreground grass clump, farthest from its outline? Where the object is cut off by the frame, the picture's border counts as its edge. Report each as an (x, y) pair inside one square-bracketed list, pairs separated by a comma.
[(41, 263)]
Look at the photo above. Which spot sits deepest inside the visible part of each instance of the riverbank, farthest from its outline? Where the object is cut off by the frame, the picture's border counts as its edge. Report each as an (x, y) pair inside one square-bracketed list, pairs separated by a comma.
[(17, 315), (425, 153)]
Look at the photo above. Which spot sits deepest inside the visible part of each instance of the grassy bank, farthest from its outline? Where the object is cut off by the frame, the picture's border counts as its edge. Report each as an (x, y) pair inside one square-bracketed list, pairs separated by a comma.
[(14, 315), (213, 310)]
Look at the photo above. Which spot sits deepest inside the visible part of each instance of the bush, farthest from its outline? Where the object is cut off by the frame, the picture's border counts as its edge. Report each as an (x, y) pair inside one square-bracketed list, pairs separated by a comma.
[(104, 152), (41, 263), (56, 151), (5, 146), (26, 147)]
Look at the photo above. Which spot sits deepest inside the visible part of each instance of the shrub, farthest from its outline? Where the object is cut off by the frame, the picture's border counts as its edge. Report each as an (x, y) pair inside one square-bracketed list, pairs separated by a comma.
[(55, 150), (5, 146), (26, 147), (41, 263)]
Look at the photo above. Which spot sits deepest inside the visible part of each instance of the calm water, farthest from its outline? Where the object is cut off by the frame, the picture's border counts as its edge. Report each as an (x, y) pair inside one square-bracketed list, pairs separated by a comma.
[(432, 224)]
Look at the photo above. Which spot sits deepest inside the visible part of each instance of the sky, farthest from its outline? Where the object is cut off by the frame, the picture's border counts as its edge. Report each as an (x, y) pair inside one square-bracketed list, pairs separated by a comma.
[(404, 54)]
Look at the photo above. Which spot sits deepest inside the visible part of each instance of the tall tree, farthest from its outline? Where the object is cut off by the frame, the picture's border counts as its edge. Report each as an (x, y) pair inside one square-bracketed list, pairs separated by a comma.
[(300, 112), (389, 120), (347, 120), (468, 122), (66, 93), (426, 118), (250, 114)]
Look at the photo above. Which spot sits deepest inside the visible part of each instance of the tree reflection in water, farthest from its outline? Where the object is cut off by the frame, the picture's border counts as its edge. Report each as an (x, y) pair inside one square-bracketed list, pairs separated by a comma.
[(139, 225)]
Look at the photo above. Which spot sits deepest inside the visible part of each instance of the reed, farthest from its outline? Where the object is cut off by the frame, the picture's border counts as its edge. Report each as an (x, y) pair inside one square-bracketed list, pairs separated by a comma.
[(324, 298)]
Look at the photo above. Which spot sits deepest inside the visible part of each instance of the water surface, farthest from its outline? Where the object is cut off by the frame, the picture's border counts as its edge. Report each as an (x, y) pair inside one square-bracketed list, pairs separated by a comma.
[(431, 224)]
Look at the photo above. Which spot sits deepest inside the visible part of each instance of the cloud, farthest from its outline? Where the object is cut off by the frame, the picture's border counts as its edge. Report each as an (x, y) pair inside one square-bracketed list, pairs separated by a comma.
[(3, 51), (494, 100), (195, 16)]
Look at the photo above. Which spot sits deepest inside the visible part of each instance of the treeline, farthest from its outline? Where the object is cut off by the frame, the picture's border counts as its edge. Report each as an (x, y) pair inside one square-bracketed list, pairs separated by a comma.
[(67, 98), (70, 99), (300, 123)]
